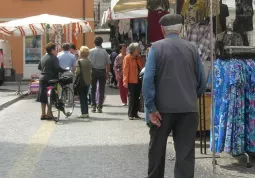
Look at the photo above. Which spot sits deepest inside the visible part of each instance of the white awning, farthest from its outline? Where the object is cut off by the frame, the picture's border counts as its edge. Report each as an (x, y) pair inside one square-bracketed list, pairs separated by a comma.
[(130, 15), (36, 25)]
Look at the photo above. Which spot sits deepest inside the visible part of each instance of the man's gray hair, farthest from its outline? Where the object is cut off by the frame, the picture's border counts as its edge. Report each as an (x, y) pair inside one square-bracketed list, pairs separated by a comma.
[(172, 28), (133, 46)]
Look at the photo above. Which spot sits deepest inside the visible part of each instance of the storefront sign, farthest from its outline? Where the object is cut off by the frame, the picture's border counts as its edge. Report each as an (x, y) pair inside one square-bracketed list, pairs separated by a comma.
[(33, 49)]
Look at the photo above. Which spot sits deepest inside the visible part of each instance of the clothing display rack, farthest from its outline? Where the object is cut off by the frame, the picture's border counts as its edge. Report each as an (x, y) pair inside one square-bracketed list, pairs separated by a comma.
[(233, 51), (240, 128)]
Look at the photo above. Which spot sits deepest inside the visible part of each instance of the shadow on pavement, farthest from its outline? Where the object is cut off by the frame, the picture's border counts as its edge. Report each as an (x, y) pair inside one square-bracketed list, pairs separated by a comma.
[(116, 113), (90, 119), (104, 119), (240, 167), (88, 161), (108, 161)]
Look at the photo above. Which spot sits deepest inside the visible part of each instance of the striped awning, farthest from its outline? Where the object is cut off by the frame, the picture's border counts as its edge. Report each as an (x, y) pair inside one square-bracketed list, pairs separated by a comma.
[(36, 25)]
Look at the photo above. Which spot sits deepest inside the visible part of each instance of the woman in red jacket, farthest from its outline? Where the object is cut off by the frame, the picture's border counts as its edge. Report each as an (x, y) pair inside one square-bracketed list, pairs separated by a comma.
[(118, 68)]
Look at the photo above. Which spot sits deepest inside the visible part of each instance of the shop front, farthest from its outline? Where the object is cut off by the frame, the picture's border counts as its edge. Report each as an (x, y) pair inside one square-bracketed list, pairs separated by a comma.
[(28, 50), (32, 55)]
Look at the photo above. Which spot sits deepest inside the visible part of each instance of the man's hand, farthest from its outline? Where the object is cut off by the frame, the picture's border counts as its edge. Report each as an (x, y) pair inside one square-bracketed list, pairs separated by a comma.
[(125, 85), (155, 118)]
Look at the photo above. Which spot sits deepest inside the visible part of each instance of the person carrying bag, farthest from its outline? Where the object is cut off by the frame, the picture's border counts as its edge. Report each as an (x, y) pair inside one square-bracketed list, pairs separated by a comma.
[(83, 80)]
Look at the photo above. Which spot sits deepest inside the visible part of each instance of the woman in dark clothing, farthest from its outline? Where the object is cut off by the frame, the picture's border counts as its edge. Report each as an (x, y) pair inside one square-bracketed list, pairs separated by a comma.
[(49, 67)]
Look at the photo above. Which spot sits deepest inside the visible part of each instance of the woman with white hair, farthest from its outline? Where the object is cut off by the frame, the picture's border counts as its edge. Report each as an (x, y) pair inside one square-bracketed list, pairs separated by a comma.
[(83, 69), (133, 64)]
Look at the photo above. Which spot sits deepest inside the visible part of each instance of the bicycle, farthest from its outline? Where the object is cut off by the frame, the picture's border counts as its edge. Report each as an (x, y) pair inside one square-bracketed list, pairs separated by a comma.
[(65, 101)]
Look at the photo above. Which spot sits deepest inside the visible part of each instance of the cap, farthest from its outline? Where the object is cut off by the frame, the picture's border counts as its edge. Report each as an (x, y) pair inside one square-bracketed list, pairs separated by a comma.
[(170, 19)]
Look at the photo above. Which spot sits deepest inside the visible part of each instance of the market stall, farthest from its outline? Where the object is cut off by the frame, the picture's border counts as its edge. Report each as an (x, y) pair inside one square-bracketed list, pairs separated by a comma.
[(33, 28), (229, 67), (129, 22)]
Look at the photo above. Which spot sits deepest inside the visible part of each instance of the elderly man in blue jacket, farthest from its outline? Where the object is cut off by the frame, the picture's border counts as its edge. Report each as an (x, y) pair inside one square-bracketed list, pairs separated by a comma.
[(174, 78)]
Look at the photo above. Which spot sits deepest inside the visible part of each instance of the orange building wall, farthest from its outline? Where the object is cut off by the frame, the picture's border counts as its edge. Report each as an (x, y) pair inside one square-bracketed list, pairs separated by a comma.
[(12, 9)]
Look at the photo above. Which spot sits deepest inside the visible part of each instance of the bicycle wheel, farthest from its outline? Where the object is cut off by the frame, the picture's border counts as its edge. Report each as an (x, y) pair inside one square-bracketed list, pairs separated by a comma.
[(53, 99), (67, 98)]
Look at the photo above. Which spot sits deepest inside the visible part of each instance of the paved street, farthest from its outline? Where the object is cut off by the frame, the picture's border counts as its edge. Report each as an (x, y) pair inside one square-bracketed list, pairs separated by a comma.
[(106, 146), (7, 93)]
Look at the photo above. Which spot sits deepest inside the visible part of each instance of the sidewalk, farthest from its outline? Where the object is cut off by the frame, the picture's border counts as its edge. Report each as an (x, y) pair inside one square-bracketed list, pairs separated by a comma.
[(8, 96)]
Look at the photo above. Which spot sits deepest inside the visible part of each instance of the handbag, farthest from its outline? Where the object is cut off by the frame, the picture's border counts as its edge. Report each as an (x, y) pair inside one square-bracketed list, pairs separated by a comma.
[(141, 104), (79, 82)]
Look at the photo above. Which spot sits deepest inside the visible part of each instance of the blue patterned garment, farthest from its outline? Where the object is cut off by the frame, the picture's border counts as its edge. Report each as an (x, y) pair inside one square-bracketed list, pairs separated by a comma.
[(218, 87), (234, 123), (250, 106)]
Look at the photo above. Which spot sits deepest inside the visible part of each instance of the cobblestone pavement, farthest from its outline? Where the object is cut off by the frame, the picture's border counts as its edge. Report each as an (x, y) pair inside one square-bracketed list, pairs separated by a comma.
[(107, 145)]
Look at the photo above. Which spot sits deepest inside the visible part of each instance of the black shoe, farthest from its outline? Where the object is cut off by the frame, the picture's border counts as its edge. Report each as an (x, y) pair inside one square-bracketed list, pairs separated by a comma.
[(93, 109), (138, 117), (99, 110), (43, 118), (131, 118)]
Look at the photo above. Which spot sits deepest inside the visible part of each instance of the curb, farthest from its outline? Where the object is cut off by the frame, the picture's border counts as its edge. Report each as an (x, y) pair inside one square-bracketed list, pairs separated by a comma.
[(9, 103)]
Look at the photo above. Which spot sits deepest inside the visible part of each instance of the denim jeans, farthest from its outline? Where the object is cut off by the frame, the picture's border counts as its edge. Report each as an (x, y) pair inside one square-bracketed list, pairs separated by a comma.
[(139, 26), (83, 95)]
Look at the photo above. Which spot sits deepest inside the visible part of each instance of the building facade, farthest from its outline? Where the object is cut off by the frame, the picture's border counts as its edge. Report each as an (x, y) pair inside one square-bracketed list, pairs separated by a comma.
[(15, 9)]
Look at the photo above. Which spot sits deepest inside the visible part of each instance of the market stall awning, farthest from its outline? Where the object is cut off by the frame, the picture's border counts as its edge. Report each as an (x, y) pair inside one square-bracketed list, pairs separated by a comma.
[(130, 14), (127, 5), (130, 9), (120, 6), (36, 25)]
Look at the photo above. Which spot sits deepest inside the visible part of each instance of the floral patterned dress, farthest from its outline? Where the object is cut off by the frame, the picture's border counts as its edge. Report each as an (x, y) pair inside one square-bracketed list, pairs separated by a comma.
[(235, 135), (218, 87), (250, 106), (229, 106)]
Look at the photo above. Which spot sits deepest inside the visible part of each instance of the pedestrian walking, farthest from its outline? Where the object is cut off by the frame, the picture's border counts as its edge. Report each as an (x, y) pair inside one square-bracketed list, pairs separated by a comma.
[(100, 61), (83, 69), (172, 82), (73, 50), (66, 59), (50, 69), (118, 69), (133, 64), (113, 56)]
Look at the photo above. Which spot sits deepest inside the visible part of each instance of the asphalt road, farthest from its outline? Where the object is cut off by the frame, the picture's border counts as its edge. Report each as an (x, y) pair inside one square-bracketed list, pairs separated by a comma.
[(107, 145)]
